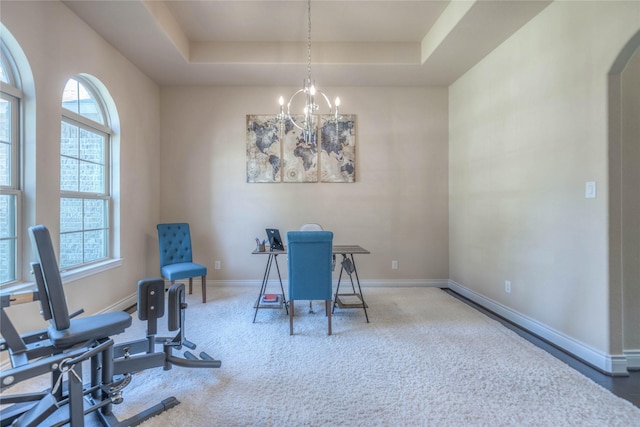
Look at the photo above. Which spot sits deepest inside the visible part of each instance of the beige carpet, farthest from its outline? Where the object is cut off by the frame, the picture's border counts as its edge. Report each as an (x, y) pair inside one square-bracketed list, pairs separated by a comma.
[(426, 359)]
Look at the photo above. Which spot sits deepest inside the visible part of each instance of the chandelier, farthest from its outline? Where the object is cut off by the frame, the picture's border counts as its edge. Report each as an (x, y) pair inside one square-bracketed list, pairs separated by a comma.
[(310, 94)]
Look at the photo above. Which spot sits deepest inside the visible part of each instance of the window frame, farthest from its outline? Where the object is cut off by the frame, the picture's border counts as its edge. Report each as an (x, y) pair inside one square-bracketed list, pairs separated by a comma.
[(10, 92), (74, 119)]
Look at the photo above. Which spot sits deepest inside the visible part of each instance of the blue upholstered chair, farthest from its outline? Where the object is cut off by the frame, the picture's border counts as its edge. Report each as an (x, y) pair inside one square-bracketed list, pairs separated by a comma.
[(311, 226), (309, 254), (176, 258)]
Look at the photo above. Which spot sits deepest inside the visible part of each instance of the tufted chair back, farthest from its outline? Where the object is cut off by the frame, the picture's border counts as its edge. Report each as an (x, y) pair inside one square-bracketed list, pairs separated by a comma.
[(176, 260), (175, 243)]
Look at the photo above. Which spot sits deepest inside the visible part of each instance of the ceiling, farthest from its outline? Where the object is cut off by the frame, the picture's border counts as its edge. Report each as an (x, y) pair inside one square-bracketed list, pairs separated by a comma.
[(354, 42)]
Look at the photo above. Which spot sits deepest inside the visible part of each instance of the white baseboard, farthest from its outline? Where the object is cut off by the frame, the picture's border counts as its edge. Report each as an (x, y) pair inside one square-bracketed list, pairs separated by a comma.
[(122, 305), (385, 283), (612, 364), (633, 359)]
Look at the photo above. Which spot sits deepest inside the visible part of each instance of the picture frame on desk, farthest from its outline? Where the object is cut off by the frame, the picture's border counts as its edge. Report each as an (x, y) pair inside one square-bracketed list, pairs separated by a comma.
[(275, 241)]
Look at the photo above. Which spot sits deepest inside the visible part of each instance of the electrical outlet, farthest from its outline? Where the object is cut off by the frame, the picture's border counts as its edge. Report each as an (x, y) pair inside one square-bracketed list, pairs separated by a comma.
[(217, 264), (590, 190), (394, 265), (507, 286)]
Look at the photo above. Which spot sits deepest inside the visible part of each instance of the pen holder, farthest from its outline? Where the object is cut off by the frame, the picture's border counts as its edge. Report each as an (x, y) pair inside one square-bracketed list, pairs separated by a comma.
[(260, 247)]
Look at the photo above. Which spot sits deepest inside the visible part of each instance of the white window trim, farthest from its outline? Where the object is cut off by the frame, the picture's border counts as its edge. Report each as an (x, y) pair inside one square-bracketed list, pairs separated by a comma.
[(18, 259), (14, 95), (84, 122), (68, 277), (90, 269), (11, 90), (77, 272)]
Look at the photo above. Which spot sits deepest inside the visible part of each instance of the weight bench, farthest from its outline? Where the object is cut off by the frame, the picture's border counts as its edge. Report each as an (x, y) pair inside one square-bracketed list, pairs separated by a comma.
[(61, 349)]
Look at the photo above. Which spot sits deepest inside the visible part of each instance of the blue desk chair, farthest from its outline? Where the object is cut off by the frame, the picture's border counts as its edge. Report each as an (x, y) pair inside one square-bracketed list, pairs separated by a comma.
[(310, 255), (313, 226), (176, 258)]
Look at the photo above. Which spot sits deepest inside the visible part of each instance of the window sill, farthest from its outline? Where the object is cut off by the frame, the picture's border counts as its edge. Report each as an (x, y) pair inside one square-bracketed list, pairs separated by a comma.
[(18, 287), (81, 273), (67, 277)]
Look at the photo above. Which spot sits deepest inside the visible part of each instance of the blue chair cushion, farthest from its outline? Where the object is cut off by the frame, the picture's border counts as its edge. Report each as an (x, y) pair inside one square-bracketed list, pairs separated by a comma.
[(183, 270)]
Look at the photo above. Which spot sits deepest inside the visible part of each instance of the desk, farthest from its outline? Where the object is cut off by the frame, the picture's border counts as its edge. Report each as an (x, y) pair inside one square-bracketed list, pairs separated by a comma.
[(348, 265), (282, 301)]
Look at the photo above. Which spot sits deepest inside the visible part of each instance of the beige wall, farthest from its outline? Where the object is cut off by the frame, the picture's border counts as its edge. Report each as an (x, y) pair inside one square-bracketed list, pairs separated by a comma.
[(528, 128), (397, 208), (58, 45)]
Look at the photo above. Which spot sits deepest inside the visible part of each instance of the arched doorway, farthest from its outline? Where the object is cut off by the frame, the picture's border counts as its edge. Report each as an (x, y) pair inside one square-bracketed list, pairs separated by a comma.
[(624, 204)]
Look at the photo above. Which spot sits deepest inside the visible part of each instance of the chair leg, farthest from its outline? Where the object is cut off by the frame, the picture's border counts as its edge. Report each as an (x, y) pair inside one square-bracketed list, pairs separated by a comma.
[(290, 317), (204, 289), (190, 285), (327, 307)]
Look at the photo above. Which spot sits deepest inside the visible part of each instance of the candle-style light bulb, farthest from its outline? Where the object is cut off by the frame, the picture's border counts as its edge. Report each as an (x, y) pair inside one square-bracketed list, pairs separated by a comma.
[(281, 115), (337, 101)]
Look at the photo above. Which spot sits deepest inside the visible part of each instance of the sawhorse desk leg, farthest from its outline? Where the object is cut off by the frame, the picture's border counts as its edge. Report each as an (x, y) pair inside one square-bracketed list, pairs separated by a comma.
[(265, 280), (349, 259)]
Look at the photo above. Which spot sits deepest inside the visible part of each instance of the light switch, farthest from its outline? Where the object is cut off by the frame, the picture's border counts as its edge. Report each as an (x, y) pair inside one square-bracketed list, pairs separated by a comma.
[(590, 190)]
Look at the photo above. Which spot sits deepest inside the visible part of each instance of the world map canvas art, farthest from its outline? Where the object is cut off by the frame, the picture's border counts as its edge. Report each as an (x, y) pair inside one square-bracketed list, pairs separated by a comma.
[(264, 150), (277, 151)]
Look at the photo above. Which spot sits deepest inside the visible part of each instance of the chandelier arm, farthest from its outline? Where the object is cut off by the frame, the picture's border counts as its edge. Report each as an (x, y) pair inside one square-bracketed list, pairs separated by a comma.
[(289, 116), (326, 98)]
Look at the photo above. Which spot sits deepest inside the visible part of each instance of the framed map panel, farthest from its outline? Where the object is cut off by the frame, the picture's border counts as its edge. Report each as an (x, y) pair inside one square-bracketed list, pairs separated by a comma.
[(277, 150), (338, 149), (300, 160), (264, 151)]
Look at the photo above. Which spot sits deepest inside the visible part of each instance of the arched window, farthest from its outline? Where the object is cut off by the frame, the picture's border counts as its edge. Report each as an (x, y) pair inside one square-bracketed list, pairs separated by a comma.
[(85, 193), (10, 185)]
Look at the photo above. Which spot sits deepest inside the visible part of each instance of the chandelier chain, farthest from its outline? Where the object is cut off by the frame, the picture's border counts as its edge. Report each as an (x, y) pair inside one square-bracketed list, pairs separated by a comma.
[(310, 113), (309, 41)]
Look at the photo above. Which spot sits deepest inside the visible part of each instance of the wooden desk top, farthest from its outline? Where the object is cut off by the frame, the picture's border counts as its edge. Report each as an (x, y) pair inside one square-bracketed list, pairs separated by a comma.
[(337, 249), (268, 252), (349, 249)]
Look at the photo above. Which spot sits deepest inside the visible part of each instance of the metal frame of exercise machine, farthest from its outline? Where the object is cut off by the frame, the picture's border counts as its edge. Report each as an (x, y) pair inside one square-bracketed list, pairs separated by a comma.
[(61, 350)]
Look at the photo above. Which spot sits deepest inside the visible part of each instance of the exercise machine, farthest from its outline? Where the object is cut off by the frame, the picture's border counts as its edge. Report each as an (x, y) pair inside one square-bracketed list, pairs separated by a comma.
[(62, 349)]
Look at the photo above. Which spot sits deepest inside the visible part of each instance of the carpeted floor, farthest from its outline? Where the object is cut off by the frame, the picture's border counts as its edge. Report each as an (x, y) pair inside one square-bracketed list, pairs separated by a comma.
[(425, 359)]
